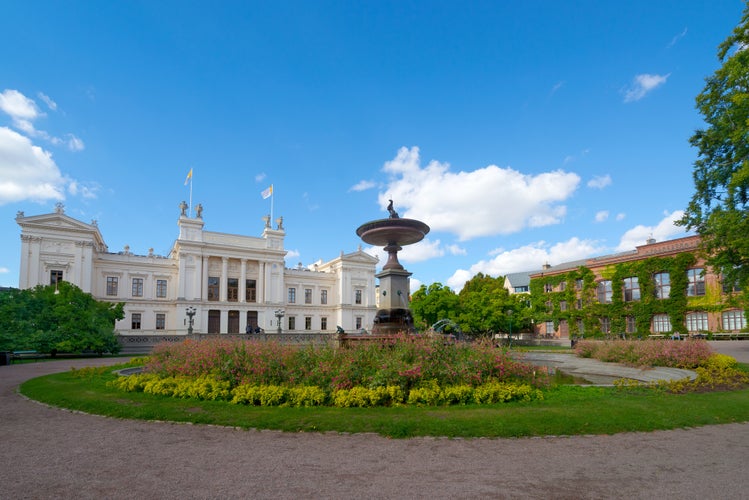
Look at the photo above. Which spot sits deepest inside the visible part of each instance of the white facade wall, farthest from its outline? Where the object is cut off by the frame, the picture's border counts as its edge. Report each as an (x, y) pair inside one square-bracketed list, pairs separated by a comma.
[(197, 274)]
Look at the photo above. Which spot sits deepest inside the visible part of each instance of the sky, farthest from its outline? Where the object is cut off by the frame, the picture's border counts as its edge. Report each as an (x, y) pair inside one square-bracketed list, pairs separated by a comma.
[(522, 133)]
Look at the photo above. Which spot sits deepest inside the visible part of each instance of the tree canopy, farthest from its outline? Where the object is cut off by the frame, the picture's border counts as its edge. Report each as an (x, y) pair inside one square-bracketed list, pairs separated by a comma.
[(483, 307), (53, 319), (718, 208)]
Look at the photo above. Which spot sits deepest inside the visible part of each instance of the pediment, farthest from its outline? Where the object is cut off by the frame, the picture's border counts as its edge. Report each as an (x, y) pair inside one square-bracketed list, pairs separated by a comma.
[(58, 222)]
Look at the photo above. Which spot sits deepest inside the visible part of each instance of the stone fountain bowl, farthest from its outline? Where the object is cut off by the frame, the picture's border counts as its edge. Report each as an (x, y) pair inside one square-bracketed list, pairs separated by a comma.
[(383, 232)]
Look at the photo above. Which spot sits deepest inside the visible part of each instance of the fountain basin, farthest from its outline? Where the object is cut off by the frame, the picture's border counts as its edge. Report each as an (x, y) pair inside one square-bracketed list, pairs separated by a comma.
[(385, 232)]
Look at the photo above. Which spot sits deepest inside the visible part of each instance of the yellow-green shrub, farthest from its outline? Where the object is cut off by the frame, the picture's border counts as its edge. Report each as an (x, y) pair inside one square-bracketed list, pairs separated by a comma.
[(307, 395), (497, 392)]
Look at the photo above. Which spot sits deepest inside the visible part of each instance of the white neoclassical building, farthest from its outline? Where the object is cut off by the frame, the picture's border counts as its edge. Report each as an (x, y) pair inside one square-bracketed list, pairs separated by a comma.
[(234, 283)]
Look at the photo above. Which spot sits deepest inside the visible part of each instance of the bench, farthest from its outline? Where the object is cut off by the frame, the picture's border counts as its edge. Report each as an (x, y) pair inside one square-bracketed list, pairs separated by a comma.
[(730, 335), (19, 355)]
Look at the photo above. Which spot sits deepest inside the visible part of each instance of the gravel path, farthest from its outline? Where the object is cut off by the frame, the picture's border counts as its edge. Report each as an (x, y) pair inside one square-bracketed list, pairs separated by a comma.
[(53, 453)]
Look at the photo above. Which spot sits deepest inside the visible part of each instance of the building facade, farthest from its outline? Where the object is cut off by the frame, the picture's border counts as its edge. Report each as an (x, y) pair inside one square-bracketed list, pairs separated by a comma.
[(658, 289), (232, 283)]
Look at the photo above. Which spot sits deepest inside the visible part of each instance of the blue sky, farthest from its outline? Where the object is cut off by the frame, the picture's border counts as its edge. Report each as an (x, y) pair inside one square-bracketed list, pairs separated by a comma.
[(521, 132)]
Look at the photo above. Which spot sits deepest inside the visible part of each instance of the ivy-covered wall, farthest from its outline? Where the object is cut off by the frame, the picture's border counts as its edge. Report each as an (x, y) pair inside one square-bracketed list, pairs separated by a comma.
[(582, 283)]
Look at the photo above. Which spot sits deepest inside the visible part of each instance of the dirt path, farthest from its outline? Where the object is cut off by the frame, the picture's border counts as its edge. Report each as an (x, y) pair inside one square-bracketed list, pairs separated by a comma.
[(52, 453)]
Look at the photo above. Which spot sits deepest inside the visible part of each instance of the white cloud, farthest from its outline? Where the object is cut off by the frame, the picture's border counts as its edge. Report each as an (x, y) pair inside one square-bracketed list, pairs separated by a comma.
[(676, 38), (75, 144), (292, 254), (413, 285), (4, 270), (23, 111), (621, 216), (643, 85), (484, 202), (48, 101), (18, 106), (527, 258), (260, 177), (600, 181), (602, 215), (27, 172), (664, 230), (362, 186)]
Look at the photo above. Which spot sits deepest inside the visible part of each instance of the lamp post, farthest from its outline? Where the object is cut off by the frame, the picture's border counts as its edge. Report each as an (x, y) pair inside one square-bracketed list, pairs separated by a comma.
[(190, 311), (279, 314)]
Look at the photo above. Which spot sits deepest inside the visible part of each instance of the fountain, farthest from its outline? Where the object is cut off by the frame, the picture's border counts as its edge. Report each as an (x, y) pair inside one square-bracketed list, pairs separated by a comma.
[(393, 233)]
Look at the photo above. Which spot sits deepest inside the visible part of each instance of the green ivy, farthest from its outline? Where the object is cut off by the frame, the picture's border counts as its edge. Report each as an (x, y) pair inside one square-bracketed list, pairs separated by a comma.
[(547, 305)]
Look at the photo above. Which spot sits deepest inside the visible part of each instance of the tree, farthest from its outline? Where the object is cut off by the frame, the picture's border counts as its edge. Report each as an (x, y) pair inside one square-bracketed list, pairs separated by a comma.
[(718, 208), (484, 302), (59, 318), (432, 304)]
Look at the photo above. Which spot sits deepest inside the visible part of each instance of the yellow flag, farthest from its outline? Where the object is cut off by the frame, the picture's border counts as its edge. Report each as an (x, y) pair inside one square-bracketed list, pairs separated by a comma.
[(189, 176), (267, 192)]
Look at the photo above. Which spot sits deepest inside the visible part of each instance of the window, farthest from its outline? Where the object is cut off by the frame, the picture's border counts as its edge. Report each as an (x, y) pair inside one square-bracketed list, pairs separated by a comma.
[(161, 289), (548, 287), (661, 323), (695, 283), (232, 289), (579, 284), (604, 292), (307, 295), (213, 288), (521, 289), (562, 286), (697, 322), (323, 297), (662, 285), (358, 322), (549, 306), (137, 287), (631, 289), (580, 327), (55, 276), (323, 323), (250, 291), (579, 304), (308, 323), (292, 323), (135, 321), (605, 325), (631, 324), (292, 296), (160, 321), (734, 320), (549, 328), (112, 283), (357, 297), (729, 287), (562, 305)]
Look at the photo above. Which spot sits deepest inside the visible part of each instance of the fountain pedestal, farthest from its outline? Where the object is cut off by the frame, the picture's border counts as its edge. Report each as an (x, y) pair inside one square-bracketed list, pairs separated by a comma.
[(393, 315)]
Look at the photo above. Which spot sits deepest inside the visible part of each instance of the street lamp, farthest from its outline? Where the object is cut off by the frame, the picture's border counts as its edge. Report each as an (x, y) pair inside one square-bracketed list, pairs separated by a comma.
[(190, 311)]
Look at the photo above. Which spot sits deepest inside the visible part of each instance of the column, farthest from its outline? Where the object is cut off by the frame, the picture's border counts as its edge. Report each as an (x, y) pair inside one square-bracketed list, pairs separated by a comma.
[(222, 283), (243, 283), (204, 286)]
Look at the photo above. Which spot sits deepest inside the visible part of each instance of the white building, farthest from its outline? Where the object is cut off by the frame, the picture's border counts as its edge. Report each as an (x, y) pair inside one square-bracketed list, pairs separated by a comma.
[(233, 282)]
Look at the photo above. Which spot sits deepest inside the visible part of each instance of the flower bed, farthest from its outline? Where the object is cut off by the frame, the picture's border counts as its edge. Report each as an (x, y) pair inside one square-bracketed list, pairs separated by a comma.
[(399, 370), (673, 353)]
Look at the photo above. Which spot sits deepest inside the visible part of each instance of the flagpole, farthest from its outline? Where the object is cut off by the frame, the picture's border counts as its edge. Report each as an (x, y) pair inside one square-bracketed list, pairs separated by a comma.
[(272, 194), (190, 193)]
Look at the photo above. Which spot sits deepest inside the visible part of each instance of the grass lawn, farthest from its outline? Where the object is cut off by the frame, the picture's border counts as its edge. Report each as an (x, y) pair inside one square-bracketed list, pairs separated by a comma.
[(566, 410)]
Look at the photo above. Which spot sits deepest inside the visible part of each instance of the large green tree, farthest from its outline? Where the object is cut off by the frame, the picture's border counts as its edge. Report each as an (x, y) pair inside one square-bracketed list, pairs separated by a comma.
[(432, 304), (53, 319), (718, 209)]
